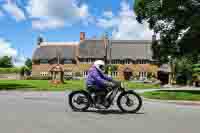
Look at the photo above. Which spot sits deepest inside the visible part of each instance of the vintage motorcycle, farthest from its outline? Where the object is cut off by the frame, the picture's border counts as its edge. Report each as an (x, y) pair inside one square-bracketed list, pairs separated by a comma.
[(127, 100)]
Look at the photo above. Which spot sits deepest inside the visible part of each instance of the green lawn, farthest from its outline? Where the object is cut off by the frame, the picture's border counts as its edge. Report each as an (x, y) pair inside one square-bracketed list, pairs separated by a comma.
[(39, 85), (133, 85), (44, 85), (174, 95)]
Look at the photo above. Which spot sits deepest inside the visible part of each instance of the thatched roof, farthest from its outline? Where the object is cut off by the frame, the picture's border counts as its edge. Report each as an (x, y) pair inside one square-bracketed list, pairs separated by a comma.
[(121, 49), (52, 51), (131, 49), (92, 49)]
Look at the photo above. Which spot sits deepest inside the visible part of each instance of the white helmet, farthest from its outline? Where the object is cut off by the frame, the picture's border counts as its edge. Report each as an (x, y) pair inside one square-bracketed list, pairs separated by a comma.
[(100, 65)]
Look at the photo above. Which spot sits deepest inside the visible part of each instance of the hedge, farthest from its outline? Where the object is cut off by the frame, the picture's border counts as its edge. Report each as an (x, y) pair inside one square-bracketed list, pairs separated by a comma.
[(10, 70)]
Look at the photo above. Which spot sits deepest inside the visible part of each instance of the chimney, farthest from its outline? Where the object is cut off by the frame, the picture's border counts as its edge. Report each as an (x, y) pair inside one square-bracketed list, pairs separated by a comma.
[(40, 40), (82, 36)]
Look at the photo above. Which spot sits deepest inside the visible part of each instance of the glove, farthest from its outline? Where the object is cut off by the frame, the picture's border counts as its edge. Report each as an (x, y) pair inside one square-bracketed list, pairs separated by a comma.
[(109, 84), (117, 83)]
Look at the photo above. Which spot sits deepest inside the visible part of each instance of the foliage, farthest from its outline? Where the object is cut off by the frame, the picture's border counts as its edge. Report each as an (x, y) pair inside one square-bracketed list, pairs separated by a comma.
[(174, 95), (78, 74), (177, 22), (28, 63), (196, 72), (25, 70), (183, 70), (6, 62), (111, 68)]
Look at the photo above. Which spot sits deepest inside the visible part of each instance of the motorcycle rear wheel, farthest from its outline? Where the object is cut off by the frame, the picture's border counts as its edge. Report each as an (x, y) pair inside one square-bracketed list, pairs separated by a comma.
[(83, 99)]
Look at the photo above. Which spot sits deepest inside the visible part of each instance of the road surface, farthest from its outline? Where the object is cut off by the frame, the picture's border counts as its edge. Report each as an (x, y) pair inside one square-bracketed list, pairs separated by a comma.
[(47, 112)]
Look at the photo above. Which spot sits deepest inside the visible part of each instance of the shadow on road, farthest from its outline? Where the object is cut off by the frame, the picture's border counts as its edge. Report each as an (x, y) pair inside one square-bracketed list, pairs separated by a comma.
[(111, 111)]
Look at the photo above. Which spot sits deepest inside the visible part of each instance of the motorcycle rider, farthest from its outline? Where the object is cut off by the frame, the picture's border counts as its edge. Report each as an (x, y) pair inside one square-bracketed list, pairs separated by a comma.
[(97, 81)]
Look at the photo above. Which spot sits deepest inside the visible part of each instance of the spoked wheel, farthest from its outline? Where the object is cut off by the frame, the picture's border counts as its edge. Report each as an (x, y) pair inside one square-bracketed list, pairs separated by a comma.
[(79, 101), (129, 102)]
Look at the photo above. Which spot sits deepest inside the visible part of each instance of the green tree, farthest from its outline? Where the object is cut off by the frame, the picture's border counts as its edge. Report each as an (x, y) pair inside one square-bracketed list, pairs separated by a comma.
[(196, 74), (177, 22), (28, 63), (24, 70), (6, 62), (183, 70)]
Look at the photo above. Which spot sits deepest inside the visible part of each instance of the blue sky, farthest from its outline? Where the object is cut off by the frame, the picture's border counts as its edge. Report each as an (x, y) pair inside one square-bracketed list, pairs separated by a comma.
[(22, 21)]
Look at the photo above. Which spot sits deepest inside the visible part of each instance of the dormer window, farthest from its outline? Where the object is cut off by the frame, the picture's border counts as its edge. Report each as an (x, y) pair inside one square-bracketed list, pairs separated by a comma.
[(44, 61), (68, 61), (116, 61), (127, 61)]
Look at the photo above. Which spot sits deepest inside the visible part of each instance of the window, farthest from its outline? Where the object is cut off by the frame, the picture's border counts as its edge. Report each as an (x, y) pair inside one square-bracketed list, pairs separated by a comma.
[(116, 62), (85, 73), (138, 62), (141, 61), (36, 62), (143, 75), (89, 61), (127, 61), (68, 73), (68, 61), (44, 61), (83, 61), (44, 73), (114, 74)]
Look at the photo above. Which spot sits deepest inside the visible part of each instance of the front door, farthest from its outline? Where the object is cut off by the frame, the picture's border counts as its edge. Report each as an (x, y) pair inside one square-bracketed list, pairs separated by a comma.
[(163, 77), (128, 75)]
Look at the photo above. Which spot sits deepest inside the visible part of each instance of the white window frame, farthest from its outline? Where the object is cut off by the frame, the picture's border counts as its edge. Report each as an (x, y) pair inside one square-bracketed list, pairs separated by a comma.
[(127, 61), (114, 74), (85, 73), (143, 75), (44, 73)]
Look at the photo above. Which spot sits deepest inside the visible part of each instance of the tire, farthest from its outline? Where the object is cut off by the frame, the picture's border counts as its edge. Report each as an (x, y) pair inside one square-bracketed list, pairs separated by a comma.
[(129, 111), (71, 103)]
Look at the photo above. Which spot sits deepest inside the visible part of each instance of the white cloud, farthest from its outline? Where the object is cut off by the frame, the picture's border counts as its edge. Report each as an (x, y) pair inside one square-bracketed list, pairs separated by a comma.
[(46, 24), (108, 14), (12, 9), (19, 61), (7, 50), (124, 25), (108, 23), (53, 14), (1, 14)]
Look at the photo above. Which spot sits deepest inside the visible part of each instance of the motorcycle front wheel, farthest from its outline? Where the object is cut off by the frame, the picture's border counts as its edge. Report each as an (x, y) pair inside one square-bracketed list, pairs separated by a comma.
[(129, 102)]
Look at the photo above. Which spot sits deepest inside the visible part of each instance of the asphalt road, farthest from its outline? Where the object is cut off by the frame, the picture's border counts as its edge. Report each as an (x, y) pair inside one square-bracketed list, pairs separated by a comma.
[(47, 112)]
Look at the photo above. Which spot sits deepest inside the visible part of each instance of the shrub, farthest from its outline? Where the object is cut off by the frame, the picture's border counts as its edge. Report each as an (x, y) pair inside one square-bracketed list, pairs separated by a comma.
[(78, 74), (112, 68)]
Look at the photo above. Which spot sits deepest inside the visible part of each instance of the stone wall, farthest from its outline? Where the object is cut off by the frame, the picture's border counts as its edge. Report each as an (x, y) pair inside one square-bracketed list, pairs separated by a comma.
[(10, 76)]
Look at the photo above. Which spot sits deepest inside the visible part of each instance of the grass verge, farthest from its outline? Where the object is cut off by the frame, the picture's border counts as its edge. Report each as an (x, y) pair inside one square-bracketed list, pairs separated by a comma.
[(187, 95), (44, 85)]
